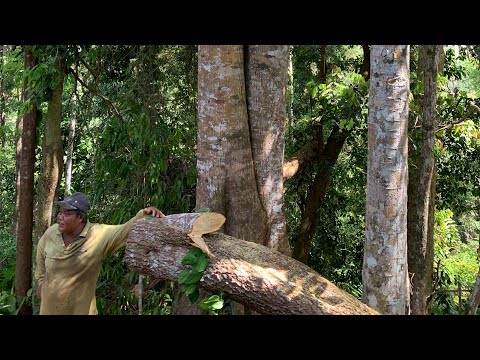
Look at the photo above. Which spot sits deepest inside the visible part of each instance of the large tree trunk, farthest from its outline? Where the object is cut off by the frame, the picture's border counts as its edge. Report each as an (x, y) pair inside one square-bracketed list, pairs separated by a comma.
[(52, 156), (240, 145), (421, 188), (266, 99), (225, 172), (385, 270), (263, 279), (26, 128)]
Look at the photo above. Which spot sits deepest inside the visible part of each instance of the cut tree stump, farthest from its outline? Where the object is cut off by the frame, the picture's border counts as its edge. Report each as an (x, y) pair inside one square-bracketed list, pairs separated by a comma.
[(196, 225), (258, 277)]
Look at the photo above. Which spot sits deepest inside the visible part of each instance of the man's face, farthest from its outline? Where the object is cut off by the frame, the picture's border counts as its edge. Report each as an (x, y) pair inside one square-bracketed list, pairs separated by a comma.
[(68, 221)]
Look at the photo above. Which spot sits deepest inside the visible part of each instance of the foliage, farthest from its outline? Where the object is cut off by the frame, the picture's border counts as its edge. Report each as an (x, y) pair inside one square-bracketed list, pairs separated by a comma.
[(135, 146), (307, 64), (9, 304), (471, 83), (337, 245), (188, 279), (141, 155), (117, 290), (457, 143), (456, 262), (7, 260), (7, 176)]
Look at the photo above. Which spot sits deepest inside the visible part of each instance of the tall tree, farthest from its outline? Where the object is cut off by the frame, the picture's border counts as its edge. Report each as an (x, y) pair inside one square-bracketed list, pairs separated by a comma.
[(240, 143), (385, 268), (26, 127), (52, 153), (421, 184)]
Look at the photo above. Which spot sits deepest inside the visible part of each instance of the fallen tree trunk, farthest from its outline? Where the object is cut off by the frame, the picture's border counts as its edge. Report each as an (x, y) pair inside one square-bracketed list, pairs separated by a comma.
[(258, 277)]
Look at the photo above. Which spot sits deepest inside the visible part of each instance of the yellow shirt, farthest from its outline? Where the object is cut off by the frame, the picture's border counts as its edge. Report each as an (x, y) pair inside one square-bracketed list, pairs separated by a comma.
[(69, 274)]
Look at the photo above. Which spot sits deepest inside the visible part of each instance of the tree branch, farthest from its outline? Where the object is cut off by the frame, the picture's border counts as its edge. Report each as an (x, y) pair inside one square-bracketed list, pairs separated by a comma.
[(470, 110), (96, 92)]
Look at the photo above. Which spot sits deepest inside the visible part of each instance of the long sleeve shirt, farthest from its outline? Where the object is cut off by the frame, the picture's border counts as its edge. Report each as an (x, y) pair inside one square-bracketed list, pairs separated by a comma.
[(68, 274)]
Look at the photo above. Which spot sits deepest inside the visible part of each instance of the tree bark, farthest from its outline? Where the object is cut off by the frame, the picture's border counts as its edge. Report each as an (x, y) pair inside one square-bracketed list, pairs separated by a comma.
[(263, 279), (52, 156), (240, 145), (225, 170), (266, 79), (306, 155), (474, 297), (421, 189), (323, 67), (385, 269), (365, 67), (226, 179), (26, 127), (71, 141)]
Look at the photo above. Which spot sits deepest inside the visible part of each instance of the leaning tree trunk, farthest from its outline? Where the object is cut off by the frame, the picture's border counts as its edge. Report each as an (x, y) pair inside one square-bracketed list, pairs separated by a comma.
[(421, 188), (263, 279), (385, 270), (326, 158)]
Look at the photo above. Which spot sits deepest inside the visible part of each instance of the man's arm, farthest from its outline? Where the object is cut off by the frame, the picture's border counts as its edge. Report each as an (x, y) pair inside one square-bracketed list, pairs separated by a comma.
[(116, 236)]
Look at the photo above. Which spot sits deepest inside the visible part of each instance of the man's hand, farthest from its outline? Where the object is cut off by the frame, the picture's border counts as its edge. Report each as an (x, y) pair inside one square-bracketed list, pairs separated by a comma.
[(153, 211)]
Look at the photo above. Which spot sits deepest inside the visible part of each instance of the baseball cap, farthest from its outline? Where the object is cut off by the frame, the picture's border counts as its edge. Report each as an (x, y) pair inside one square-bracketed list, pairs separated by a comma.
[(77, 201)]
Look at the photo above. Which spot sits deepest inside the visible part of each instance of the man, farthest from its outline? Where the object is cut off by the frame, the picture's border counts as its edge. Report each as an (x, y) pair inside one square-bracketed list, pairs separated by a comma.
[(70, 253)]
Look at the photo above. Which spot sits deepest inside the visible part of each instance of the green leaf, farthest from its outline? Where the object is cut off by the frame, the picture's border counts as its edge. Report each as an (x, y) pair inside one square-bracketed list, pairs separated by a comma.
[(191, 289), (217, 305), (193, 278), (203, 210), (193, 297), (189, 259), (195, 251), (184, 275), (202, 263), (350, 124), (211, 299)]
